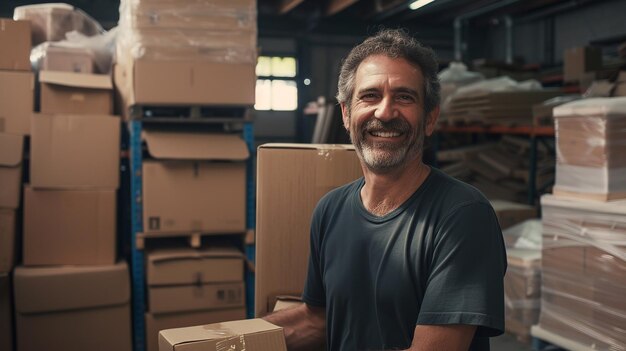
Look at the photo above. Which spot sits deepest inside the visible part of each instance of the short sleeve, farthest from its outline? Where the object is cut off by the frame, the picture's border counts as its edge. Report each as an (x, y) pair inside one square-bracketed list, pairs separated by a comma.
[(314, 293), (468, 263)]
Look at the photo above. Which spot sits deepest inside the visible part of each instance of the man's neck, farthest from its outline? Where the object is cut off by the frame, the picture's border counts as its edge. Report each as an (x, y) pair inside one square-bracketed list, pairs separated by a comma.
[(384, 192)]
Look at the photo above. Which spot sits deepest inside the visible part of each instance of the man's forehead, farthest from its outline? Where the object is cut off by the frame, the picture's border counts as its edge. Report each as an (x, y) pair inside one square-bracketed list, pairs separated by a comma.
[(380, 68)]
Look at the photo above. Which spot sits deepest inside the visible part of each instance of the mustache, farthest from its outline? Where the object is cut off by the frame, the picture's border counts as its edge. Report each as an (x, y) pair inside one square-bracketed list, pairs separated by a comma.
[(395, 125)]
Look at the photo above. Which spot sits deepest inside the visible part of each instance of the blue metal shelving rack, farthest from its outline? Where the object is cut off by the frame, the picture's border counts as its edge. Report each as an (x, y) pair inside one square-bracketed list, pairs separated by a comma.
[(137, 256)]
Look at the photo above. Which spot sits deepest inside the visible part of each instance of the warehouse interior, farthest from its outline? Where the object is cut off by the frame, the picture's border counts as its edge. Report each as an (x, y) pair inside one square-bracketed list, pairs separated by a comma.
[(160, 162)]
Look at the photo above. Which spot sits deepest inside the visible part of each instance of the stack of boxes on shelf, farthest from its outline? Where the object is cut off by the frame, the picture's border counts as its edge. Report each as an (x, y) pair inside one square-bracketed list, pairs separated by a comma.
[(584, 228), (16, 108), (69, 291), (187, 52), (199, 55)]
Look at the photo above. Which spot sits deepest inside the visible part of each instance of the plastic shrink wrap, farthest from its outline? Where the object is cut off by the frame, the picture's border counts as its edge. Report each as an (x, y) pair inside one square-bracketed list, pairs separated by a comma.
[(50, 22), (591, 140), (522, 283), (207, 30), (583, 295)]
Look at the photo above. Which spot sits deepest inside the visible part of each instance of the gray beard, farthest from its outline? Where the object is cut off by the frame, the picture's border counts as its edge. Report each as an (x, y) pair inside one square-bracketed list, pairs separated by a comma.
[(381, 157)]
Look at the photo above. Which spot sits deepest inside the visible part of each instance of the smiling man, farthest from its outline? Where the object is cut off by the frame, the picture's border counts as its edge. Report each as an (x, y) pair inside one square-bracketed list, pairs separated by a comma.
[(405, 257)]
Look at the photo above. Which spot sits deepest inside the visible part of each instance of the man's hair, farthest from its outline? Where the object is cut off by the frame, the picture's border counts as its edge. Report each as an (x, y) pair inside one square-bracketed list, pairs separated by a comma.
[(393, 43)]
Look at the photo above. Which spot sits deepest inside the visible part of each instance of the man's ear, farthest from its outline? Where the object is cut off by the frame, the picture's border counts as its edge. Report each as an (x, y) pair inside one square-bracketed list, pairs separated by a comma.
[(431, 120), (345, 115)]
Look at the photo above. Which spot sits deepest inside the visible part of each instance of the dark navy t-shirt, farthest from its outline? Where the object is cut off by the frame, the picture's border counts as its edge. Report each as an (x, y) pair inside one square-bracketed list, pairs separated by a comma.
[(437, 259)]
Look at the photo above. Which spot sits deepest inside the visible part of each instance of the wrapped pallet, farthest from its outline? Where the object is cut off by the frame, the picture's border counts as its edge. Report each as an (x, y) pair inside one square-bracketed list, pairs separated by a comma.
[(590, 138), (187, 52), (584, 272), (522, 282)]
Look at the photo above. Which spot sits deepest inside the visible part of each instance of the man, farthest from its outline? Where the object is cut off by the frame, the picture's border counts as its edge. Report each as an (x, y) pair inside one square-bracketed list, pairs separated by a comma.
[(405, 257)]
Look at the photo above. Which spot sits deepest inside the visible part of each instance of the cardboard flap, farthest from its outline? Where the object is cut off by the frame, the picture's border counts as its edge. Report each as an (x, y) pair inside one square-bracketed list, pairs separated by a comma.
[(61, 288), (11, 147), (195, 146), (163, 256), (78, 80)]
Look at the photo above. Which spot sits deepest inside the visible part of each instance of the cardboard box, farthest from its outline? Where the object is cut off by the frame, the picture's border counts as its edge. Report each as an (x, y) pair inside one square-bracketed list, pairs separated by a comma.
[(73, 308), (16, 101), (7, 240), (285, 203), (158, 322), (75, 152), (511, 213), (11, 150), (71, 227), (67, 59), (6, 314), (185, 82), (181, 298), (15, 44), (190, 266), (577, 61), (79, 93), (197, 183), (250, 334)]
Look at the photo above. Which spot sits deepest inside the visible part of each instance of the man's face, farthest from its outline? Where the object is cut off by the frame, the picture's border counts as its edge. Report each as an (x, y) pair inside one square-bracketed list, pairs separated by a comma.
[(386, 119)]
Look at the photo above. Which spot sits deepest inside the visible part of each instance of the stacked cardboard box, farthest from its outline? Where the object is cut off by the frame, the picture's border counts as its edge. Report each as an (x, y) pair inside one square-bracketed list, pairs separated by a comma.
[(187, 52), (590, 137), (285, 203), (584, 271), (191, 287), (522, 290)]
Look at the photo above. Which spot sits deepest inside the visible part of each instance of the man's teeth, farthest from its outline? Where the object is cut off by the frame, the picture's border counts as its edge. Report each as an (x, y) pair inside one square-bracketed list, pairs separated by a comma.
[(385, 134)]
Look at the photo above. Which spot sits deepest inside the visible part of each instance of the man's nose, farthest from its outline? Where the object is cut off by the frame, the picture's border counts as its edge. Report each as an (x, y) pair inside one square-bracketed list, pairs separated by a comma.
[(386, 109)]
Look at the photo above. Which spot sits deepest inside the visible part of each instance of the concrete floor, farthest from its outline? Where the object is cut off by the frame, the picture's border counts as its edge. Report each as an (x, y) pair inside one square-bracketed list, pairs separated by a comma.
[(507, 342)]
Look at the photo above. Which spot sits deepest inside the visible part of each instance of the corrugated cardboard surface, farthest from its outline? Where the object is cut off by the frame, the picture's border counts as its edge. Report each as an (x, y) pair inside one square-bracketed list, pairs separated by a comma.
[(73, 227), (15, 44), (158, 322), (11, 149), (291, 178), (180, 298), (73, 308), (250, 334), (7, 240), (16, 101), (6, 303), (185, 82), (68, 92), (511, 213), (67, 59), (74, 151), (190, 266), (578, 60)]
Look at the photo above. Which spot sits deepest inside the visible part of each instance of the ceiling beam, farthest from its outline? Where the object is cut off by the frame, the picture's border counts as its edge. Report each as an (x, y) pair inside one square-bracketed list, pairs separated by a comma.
[(336, 6)]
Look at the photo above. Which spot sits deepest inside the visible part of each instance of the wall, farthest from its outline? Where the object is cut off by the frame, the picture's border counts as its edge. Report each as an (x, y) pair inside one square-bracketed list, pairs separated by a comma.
[(543, 40)]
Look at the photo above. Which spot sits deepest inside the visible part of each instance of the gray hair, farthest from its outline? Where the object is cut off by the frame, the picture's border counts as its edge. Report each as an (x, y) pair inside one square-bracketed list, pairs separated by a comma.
[(393, 43)]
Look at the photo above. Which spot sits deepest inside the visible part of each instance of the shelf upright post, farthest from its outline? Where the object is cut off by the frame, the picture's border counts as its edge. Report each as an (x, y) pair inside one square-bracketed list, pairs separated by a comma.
[(248, 136), (532, 170), (137, 257)]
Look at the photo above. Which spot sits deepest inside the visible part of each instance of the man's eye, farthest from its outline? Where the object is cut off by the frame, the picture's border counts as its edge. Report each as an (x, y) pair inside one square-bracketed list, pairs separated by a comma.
[(369, 96), (406, 98)]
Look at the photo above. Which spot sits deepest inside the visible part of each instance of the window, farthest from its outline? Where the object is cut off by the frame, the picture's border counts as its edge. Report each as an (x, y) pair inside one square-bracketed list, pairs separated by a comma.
[(276, 87)]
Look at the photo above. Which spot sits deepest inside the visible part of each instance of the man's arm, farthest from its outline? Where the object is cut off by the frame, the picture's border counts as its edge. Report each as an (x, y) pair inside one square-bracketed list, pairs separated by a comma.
[(453, 337), (304, 326)]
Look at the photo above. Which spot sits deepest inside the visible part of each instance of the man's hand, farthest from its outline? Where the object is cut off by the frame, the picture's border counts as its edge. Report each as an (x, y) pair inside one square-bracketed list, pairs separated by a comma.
[(304, 326), (454, 337)]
